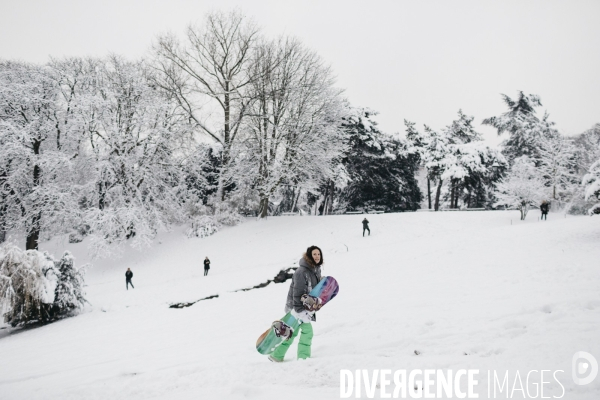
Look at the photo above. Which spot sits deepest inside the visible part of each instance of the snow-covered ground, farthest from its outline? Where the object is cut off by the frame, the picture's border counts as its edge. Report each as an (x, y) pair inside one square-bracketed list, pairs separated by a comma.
[(464, 289)]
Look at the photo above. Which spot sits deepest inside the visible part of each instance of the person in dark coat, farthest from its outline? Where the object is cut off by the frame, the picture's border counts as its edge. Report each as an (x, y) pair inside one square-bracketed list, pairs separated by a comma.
[(128, 276), (544, 208), (365, 223), (306, 277), (206, 265)]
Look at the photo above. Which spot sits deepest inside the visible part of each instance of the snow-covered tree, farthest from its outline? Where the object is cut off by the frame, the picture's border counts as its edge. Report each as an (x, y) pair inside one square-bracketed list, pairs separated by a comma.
[(522, 188), (37, 152), (591, 182), (380, 168), (33, 287), (27, 285), (461, 130), (587, 147), (557, 164), (457, 155), (208, 75), (522, 125), (292, 131), (471, 167), (139, 186), (4, 192), (587, 153), (69, 294), (432, 147)]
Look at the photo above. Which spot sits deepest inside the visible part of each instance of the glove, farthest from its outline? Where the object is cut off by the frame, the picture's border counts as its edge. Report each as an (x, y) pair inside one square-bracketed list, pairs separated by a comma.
[(311, 303)]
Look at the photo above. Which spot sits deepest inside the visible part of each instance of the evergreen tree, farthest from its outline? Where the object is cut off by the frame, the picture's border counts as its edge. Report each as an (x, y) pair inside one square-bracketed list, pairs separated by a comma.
[(461, 130), (522, 124), (380, 168), (456, 155), (69, 294)]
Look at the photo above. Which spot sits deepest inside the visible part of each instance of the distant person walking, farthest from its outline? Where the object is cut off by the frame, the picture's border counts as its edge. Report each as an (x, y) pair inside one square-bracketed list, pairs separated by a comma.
[(365, 223), (206, 265), (544, 208), (128, 276)]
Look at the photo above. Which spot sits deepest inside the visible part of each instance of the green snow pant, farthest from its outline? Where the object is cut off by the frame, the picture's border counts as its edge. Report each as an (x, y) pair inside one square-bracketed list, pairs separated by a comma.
[(303, 345)]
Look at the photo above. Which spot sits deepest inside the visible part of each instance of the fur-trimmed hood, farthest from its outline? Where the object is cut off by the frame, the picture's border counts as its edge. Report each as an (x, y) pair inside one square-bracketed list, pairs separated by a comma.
[(307, 261)]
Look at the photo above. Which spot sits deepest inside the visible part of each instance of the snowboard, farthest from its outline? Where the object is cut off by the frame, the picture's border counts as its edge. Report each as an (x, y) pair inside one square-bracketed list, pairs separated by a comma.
[(325, 290)]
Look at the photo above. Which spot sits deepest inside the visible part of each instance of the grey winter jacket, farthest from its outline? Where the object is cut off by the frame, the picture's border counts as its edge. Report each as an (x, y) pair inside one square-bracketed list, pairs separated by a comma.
[(304, 280)]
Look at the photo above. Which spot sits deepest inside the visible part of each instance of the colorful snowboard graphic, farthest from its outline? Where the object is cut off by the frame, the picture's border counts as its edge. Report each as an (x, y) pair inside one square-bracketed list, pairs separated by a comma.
[(325, 290)]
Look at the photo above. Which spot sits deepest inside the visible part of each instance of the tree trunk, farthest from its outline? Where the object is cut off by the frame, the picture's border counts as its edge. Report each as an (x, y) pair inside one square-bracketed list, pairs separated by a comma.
[(264, 207), (33, 235), (3, 207), (523, 210), (331, 192), (324, 204), (429, 192), (226, 137), (456, 193), (296, 200), (437, 195), (34, 232), (451, 193), (101, 196), (221, 184)]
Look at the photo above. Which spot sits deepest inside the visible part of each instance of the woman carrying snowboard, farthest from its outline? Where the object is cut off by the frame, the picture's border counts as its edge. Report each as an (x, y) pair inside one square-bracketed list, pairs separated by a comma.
[(306, 277)]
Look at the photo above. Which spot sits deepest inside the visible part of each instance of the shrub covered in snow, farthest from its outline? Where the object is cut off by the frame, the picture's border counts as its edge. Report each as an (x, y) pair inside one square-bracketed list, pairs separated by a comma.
[(229, 218), (203, 226), (33, 287), (227, 214), (208, 219), (27, 283)]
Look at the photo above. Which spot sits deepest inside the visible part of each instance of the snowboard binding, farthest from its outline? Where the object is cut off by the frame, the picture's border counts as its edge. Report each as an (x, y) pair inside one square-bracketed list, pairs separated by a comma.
[(311, 303), (282, 329)]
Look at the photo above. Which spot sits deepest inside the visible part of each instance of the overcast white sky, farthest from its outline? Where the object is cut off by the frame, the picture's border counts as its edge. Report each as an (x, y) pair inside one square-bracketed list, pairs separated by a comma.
[(419, 60)]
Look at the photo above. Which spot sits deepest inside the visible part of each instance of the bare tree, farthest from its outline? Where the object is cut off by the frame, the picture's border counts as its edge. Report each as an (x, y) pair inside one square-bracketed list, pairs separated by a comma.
[(208, 73)]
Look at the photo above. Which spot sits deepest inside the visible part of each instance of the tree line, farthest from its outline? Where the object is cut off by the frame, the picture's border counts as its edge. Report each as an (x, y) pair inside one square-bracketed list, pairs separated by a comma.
[(534, 163), (225, 121), (219, 123)]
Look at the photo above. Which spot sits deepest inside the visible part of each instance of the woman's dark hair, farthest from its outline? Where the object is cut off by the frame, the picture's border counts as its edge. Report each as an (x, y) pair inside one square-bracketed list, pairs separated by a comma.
[(309, 255)]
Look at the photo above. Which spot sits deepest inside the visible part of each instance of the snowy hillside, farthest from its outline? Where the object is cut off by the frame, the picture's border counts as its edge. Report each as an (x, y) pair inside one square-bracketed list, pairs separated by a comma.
[(465, 290)]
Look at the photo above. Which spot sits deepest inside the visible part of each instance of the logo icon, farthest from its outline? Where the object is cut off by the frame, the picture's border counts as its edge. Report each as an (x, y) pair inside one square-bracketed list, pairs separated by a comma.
[(585, 368)]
